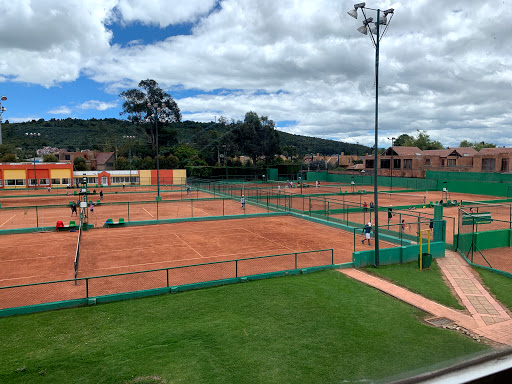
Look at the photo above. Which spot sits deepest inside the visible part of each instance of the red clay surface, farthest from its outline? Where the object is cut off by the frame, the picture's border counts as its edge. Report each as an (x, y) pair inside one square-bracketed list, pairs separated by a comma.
[(39, 257), (499, 258), (46, 217)]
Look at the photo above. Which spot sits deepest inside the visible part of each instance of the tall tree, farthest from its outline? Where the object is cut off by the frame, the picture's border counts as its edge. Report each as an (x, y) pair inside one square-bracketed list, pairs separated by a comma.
[(135, 106), (256, 136)]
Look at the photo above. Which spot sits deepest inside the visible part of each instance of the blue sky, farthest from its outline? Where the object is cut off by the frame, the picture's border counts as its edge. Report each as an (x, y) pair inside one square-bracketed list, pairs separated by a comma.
[(443, 68)]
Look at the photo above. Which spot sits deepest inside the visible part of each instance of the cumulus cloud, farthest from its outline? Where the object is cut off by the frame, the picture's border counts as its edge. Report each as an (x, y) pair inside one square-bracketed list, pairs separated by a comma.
[(98, 105), (444, 67), (163, 13), (63, 110)]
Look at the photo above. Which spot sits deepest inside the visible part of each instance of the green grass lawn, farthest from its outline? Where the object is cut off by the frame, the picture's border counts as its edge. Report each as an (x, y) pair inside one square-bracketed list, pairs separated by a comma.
[(428, 283), (500, 286), (316, 328)]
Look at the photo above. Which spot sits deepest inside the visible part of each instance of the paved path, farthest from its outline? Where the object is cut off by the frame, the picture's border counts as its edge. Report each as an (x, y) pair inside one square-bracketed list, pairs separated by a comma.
[(486, 317)]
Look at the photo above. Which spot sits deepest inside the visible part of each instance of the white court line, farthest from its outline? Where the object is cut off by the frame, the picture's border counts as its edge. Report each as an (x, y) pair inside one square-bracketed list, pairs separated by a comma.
[(7, 220), (272, 241), (188, 245), (147, 212), (19, 278)]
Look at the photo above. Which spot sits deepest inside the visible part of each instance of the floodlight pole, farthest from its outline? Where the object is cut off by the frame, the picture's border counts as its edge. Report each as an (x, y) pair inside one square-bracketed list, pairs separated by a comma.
[(375, 166), (392, 141), (365, 29), (2, 110), (157, 111)]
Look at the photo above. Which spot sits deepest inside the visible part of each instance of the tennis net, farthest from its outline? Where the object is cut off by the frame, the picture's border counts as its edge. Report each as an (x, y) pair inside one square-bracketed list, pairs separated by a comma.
[(403, 198), (77, 253)]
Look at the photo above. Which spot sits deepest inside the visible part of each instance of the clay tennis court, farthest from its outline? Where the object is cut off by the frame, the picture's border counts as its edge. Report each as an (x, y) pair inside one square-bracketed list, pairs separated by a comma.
[(133, 211), (40, 257), (499, 258)]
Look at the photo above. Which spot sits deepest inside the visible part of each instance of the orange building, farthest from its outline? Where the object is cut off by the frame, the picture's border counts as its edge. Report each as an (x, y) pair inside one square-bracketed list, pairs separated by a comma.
[(31, 175)]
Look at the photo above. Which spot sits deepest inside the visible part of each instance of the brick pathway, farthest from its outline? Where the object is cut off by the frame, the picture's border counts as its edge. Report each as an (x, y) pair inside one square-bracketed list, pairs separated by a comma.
[(486, 317)]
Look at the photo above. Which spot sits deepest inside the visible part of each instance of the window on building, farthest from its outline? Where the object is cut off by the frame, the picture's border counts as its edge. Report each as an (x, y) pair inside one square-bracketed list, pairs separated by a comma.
[(504, 165), (442, 162), (65, 181), (488, 164), (13, 182), (1, 183), (110, 164), (407, 163), (397, 163), (427, 161), (43, 181), (385, 163), (55, 181), (368, 164), (451, 163), (67, 157), (32, 182)]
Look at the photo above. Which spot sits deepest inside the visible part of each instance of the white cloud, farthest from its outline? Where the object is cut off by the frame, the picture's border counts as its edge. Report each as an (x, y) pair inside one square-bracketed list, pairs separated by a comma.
[(98, 105), (63, 110), (22, 119), (163, 13), (444, 68)]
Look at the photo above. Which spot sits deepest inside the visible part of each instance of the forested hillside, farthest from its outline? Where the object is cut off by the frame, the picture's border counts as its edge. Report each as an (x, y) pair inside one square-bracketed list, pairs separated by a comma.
[(208, 140)]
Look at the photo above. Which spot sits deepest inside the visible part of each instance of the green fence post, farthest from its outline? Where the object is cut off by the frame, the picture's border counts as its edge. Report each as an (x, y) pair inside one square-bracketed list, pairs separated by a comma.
[(223, 207), (354, 239), (128, 211), (236, 268), (191, 208), (167, 273), (157, 209), (295, 260), (37, 218), (332, 256), (86, 287)]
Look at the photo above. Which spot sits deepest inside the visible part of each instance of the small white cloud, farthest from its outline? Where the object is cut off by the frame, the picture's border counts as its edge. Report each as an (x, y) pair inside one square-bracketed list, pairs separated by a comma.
[(22, 119), (98, 105), (60, 111)]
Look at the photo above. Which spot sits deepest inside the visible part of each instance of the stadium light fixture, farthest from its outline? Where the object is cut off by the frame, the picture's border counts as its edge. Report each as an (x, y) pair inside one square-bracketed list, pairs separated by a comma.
[(353, 12)]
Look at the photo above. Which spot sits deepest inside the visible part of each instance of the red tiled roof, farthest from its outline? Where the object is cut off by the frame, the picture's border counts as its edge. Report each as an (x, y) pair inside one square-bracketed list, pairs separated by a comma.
[(407, 151), (494, 151), (102, 157)]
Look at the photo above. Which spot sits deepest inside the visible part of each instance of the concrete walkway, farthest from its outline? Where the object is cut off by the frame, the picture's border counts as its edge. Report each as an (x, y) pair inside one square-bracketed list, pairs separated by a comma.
[(486, 317)]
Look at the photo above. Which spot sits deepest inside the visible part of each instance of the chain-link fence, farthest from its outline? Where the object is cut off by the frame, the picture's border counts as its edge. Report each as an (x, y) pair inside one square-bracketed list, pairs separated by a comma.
[(485, 234), (85, 287)]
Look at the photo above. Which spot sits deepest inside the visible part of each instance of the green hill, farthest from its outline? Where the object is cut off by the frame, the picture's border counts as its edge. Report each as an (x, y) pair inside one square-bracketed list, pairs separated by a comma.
[(107, 135)]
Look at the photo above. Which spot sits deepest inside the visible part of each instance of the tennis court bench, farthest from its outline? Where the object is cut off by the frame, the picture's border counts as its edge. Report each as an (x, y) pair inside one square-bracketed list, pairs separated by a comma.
[(111, 223), (72, 226)]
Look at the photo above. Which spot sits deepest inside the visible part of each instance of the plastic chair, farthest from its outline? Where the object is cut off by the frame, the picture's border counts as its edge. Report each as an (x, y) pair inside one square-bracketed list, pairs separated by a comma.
[(110, 221), (121, 220), (72, 224)]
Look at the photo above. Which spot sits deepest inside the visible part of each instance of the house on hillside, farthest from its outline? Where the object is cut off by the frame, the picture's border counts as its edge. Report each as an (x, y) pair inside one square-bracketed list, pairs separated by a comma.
[(103, 161), (95, 160)]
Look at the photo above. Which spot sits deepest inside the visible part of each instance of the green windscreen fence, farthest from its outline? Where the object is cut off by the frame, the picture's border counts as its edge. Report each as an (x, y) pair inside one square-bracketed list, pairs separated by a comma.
[(485, 234)]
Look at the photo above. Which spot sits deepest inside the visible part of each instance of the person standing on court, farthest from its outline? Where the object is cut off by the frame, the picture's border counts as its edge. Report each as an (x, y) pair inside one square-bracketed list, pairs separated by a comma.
[(367, 233), (188, 190), (73, 209), (242, 202), (390, 212), (101, 195)]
